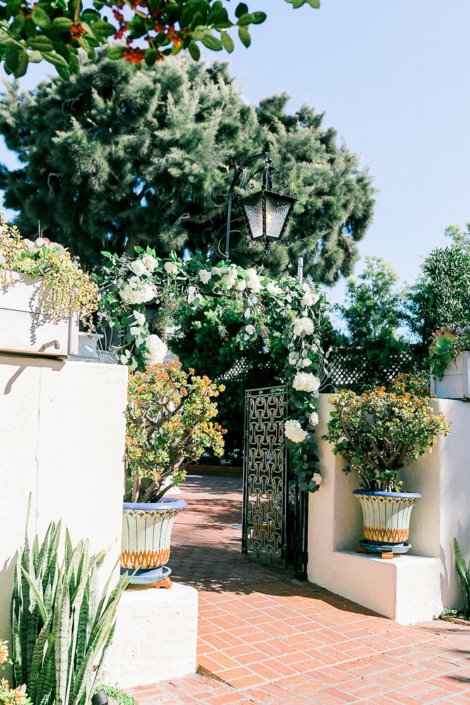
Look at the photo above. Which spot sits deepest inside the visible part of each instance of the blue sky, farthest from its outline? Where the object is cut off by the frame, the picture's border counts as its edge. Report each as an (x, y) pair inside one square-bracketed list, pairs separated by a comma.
[(393, 77)]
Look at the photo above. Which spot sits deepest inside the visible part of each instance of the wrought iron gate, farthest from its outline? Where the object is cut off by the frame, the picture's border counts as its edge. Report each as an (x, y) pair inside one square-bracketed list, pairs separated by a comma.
[(274, 510)]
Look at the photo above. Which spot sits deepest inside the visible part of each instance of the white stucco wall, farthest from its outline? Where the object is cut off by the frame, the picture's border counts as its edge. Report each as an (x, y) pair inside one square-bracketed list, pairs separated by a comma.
[(62, 434), (155, 638), (414, 587)]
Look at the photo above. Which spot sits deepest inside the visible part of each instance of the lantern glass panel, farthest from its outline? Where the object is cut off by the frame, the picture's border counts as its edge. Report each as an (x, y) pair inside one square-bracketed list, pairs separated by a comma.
[(277, 212), (253, 207)]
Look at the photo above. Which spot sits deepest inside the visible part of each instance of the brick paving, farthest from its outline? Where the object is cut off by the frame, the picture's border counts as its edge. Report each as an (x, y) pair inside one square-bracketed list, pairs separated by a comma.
[(266, 638)]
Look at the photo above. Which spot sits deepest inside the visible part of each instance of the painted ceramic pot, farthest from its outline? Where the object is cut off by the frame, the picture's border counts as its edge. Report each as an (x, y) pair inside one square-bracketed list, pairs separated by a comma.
[(387, 515), (146, 533)]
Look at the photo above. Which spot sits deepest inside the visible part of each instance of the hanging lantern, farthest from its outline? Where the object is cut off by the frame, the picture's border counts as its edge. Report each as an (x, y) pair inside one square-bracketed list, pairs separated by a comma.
[(267, 215)]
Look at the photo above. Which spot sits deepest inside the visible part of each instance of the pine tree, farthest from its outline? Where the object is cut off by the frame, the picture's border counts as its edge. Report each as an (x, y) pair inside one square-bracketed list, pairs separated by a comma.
[(117, 157)]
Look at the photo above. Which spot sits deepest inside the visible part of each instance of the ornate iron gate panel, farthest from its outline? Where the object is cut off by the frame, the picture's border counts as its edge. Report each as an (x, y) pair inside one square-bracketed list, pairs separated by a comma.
[(265, 475)]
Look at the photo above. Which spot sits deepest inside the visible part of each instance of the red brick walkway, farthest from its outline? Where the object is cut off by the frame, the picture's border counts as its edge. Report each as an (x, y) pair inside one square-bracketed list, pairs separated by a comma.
[(266, 638)]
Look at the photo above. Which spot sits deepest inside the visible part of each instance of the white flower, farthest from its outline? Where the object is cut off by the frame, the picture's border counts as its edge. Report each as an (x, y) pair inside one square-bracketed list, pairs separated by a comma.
[(139, 317), (250, 329), (313, 418), (40, 242), (171, 267), (205, 276), (139, 295), (273, 288), (309, 299), (294, 431), (127, 294), (306, 382), (303, 324), (2, 259), (134, 330), (28, 243), (292, 361), (317, 478), (241, 286), (157, 350), (253, 280), (138, 267), (218, 271), (306, 362), (150, 262), (230, 279)]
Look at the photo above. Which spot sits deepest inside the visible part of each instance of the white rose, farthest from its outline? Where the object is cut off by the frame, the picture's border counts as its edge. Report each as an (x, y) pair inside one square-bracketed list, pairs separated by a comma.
[(317, 478), (40, 242), (205, 276), (127, 294), (253, 280), (138, 267), (171, 267), (306, 362), (306, 382), (144, 294), (157, 350), (250, 329), (309, 299), (241, 286), (294, 431), (150, 262), (313, 418), (303, 325), (139, 317), (230, 279), (273, 288)]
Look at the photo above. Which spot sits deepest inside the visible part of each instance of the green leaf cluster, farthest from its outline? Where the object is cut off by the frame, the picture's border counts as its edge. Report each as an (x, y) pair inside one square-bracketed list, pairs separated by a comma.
[(61, 624), (116, 158)]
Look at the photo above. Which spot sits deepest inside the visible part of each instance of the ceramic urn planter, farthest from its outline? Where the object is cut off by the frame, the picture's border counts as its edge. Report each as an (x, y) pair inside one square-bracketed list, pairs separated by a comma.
[(146, 537), (386, 520), (25, 329)]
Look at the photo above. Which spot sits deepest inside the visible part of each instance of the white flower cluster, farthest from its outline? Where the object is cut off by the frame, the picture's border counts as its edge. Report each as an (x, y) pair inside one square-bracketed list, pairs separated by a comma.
[(139, 268), (306, 382), (303, 325), (140, 293), (150, 262), (205, 276), (273, 288), (230, 279), (313, 418), (157, 350), (253, 282), (294, 431), (171, 267), (309, 298)]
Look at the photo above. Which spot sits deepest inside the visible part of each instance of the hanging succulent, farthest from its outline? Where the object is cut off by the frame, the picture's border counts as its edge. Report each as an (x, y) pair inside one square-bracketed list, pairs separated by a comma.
[(64, 287)]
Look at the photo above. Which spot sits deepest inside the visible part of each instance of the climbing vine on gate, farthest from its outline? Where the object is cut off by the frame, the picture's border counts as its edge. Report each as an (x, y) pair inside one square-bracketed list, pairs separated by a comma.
[(144, 292)]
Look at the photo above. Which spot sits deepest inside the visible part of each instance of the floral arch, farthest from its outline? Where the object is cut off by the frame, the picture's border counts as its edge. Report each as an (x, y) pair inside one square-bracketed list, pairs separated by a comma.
[(128, 286)]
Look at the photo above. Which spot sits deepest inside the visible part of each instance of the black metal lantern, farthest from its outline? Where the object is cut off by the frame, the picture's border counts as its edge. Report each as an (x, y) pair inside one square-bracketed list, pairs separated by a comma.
[(266, 212)]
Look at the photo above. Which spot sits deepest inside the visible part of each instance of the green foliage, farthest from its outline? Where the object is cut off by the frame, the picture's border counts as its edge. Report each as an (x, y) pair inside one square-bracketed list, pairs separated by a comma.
[(117, 157), (61, 626), (119, 696), (209, 341), (440, 297), (379, 431), (464, 578), (55, 30)]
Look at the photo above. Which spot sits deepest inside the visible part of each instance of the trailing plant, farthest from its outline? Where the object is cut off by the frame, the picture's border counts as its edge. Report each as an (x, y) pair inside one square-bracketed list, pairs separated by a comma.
[(382, 429), (64, 286), (8, 696), (128, 285), (447, 344), (169, 425), (61, 625)]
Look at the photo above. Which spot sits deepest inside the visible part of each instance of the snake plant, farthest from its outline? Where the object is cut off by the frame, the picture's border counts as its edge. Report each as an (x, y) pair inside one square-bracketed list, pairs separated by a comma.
[(464, 577), (61, 624)]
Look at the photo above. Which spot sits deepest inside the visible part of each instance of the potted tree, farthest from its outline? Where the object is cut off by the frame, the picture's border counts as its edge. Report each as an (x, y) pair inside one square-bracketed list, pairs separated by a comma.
[(43, 293), (377, 433), (169, 426)]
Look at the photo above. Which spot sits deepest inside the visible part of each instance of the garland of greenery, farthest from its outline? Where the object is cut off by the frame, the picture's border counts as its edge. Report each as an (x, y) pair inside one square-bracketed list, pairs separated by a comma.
[(128, 286)]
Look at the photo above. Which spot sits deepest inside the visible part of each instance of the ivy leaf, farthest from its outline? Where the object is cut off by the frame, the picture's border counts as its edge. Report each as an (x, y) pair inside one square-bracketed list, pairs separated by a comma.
[(41, 18), (115, 53), (227, 42), (242, 9), (211, 42), (62, 24), (244, 36)]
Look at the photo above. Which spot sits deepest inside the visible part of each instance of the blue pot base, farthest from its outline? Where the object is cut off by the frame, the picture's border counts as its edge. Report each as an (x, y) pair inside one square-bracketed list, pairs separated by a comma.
[(379, 547), (147, 577)]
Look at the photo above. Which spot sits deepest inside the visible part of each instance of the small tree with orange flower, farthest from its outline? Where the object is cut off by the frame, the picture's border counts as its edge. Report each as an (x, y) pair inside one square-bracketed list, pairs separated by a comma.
[(379, 431), (169, 425)]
